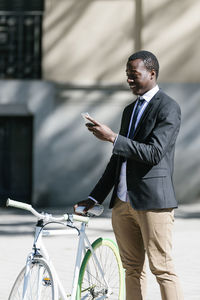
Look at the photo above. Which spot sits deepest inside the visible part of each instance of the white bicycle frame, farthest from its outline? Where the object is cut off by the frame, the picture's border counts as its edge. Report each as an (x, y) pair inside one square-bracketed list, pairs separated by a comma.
[(39, 248)]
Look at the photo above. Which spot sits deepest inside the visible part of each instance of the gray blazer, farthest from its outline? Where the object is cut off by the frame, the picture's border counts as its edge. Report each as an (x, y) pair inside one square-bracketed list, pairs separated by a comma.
[(149, 154)]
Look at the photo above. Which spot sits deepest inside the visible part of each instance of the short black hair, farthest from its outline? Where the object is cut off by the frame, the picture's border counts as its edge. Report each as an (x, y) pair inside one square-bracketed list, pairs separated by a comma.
[(149, 59)]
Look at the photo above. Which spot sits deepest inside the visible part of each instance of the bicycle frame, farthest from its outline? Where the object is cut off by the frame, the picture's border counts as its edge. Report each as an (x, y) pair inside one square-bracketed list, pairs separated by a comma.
[(39, 249)]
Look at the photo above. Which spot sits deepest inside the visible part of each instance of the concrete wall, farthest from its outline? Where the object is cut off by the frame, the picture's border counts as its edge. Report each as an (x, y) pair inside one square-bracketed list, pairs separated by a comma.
[(88, 41), (37, 98), (68, 160), (187, 159)]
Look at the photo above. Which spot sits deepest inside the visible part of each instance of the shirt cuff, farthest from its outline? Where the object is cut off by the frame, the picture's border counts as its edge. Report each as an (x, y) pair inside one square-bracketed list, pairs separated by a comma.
[(115, 141), (93, 199)]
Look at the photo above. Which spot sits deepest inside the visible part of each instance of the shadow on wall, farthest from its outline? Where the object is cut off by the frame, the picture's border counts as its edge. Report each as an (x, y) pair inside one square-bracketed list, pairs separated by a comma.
[(68, 160), (77, 159), (187, 159)]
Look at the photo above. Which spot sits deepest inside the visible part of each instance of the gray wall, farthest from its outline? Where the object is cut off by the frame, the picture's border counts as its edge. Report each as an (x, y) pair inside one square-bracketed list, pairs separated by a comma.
[(68, 160)]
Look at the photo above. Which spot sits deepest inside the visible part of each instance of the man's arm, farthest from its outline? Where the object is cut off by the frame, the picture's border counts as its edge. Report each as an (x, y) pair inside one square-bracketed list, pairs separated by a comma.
[(163, 134), (106, 182), (103, 187), (151, 152)]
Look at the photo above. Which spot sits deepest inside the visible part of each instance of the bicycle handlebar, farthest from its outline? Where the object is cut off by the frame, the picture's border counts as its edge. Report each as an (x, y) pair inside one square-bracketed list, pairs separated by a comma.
[(46, 216), (18, 204)]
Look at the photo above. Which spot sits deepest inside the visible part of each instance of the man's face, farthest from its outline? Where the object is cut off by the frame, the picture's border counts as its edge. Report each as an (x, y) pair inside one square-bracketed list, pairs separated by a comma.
[(140, 79)]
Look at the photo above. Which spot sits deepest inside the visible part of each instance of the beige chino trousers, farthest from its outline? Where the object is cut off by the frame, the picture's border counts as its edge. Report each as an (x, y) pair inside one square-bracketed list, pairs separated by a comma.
[(150, 232)]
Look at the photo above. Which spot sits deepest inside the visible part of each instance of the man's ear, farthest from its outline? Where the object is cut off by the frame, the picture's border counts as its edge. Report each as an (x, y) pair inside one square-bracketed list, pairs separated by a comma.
[(153, 74)]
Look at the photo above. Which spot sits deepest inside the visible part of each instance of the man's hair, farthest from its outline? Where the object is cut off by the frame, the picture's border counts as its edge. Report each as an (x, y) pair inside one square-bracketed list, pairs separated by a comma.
[(149, 59)]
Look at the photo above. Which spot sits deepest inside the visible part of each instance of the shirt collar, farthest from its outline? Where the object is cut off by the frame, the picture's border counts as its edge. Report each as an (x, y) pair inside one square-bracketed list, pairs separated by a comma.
[(150, 94)]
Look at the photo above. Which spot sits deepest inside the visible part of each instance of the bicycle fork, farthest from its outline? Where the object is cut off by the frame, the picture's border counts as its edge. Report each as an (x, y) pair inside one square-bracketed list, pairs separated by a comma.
[(29, 263), (26, 276)]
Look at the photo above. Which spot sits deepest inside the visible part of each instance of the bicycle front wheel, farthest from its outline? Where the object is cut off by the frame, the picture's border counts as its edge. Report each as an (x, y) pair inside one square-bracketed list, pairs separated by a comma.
[(40, 283), (92, 283)]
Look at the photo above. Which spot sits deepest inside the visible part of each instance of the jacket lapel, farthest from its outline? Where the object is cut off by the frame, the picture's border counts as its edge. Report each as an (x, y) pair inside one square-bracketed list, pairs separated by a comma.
[(126, 121), (151, 106)]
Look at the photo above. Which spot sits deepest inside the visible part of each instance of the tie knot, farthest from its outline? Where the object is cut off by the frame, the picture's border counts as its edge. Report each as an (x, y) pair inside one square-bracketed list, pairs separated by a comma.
[(140, 102), (141, 99)]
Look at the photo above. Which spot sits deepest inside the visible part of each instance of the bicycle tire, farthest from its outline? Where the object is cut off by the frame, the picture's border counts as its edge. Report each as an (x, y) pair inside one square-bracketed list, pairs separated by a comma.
[(46, 286), (91, 284)]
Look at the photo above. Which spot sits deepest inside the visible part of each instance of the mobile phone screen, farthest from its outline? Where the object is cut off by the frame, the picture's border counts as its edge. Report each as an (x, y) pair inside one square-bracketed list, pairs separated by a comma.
[(84, 115)]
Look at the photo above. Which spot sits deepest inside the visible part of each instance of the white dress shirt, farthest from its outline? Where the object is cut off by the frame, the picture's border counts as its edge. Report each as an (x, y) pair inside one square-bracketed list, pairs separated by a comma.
[(122, 192)]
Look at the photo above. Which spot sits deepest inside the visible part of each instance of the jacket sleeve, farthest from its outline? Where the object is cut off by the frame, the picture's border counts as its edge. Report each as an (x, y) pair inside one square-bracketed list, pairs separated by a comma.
[(162, 135), (106, 182)]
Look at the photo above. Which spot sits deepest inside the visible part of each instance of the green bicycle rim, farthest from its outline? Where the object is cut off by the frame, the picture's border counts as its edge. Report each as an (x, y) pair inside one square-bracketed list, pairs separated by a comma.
[(96, 244)]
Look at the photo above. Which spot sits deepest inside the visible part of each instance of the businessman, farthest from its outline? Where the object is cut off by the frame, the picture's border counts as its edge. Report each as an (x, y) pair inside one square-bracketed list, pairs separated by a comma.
[(141, 171)]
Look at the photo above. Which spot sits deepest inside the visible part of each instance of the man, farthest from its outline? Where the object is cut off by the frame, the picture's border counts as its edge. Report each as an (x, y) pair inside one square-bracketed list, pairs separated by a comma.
[(140, 170)]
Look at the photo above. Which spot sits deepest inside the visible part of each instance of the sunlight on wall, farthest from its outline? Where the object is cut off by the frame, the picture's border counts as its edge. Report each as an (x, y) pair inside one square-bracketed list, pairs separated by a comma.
[(171, 30), (88, 41)]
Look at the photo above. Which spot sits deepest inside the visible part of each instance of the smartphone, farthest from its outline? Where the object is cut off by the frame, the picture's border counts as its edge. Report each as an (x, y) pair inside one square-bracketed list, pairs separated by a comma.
[(84, 115), (88, 123), (96, 210), (80, 209)]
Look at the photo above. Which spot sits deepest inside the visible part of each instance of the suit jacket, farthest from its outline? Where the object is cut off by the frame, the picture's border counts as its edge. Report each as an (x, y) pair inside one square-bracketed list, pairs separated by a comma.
[(149, 154)]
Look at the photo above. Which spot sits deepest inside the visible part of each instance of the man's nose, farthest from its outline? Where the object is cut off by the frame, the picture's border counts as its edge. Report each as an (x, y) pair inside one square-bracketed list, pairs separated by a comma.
[(129, 80)]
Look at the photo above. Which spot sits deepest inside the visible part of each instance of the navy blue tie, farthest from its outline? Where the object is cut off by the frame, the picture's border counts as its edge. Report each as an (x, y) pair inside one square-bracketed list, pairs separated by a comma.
[(136, 112)]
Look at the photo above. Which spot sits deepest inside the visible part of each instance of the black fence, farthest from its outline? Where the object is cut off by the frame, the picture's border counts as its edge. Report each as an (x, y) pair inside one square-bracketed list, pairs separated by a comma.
[(21, 39)]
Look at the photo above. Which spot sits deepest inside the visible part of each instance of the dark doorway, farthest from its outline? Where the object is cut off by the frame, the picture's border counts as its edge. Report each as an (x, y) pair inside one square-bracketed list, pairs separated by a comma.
[(16, 133)]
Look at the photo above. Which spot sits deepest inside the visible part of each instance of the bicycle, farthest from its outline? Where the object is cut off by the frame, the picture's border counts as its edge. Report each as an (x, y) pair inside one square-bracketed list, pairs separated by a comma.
[(98, 272)]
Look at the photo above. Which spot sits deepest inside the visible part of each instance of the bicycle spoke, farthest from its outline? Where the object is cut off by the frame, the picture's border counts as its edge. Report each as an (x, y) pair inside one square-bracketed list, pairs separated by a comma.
[(93, 283), (39, 283)]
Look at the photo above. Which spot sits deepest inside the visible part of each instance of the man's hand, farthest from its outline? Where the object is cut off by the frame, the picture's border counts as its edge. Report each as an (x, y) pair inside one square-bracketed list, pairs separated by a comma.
[(88, 203), (101, 131)]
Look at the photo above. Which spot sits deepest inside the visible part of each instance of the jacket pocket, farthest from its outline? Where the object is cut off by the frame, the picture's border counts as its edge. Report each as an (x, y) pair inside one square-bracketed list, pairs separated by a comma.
[(156, 173)]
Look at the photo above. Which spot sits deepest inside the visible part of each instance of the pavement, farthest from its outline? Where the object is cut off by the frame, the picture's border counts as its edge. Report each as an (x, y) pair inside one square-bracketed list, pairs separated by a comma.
[(16, 236)]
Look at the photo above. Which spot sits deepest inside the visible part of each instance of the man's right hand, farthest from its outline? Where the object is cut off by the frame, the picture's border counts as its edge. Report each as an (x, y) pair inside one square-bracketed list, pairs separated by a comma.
[(88, 203)]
